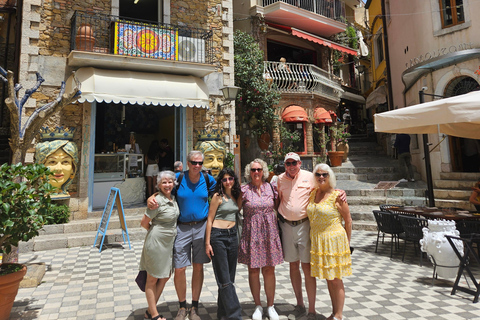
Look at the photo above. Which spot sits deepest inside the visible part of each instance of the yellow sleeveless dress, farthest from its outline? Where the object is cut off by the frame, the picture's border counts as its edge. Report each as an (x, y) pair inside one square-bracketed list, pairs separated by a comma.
[(330, 252)]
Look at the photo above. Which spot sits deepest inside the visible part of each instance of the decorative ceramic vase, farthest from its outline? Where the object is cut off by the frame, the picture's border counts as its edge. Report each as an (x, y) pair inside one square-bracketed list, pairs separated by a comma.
[(9, 284), (336, 158), (437, 246), (263, 141), (84, 40), (343, 146)]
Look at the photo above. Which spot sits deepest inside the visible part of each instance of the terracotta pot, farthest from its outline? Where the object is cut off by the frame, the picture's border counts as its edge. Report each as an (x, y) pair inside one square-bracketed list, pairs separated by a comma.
[(343, 146), (8, 291), (84, 40), (336, 158), (264, 141)]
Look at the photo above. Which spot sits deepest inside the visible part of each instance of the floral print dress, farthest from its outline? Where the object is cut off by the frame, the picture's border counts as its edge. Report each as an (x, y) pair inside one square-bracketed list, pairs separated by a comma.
[(260, 244)]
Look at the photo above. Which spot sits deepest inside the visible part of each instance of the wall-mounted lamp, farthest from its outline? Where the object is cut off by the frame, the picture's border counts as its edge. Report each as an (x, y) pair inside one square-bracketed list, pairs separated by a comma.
[(229, 94)]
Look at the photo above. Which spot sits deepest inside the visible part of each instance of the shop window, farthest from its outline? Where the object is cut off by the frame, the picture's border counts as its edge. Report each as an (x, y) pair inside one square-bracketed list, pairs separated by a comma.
[(451, 12), (379, 56), (299, 146)]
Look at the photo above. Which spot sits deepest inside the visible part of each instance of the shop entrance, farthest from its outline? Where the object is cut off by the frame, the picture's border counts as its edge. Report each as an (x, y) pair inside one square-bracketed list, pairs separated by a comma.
[(464, 153)]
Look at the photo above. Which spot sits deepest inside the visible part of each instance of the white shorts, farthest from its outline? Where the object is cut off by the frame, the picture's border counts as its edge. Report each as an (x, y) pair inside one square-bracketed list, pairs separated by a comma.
[(152, 170)]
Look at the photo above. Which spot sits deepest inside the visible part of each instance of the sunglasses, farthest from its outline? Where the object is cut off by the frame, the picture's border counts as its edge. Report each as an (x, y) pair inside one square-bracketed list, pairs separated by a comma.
[(293, 163), (196, 163), (256, 169), (228, 179), (318, 174)]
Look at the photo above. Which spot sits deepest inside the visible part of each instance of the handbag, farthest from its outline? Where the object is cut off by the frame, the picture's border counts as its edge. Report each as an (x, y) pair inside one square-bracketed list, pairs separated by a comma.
[(141, 279)]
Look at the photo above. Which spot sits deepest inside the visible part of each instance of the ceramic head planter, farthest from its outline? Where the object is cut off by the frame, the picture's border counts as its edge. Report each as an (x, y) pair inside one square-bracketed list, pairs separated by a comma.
[(437, 246), (213, 148), (60, 155)]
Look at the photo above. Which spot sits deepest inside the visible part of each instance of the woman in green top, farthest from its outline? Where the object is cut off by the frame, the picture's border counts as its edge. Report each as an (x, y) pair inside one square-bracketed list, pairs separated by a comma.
[(221, 243), (157, 254)]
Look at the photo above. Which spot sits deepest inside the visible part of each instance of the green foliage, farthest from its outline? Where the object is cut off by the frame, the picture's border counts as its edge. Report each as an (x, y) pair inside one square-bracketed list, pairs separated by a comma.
[(276, 152), (229, 161), (7, 268), (256, 97), (339, 132), (322, 143), (24, 202), (58, 214), (352, 39)]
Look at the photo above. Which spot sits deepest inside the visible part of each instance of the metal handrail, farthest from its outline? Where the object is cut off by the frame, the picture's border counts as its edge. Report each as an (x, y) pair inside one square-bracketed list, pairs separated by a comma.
[(139, 38), (301, 78), (333, 9)]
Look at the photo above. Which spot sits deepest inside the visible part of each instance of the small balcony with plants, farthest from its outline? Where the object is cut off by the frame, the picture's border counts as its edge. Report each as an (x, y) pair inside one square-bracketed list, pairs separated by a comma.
[(100, 40)]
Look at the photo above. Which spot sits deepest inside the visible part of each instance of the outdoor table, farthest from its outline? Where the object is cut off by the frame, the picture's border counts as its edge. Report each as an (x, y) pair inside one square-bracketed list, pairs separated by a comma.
[(468, 259), (437, 213)]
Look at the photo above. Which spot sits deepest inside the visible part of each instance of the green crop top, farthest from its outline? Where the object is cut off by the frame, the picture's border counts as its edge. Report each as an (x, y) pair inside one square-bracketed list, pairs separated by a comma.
[(227, 210)]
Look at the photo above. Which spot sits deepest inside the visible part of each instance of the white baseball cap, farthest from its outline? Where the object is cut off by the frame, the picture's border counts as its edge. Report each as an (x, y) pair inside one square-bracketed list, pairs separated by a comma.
[(293, 156)]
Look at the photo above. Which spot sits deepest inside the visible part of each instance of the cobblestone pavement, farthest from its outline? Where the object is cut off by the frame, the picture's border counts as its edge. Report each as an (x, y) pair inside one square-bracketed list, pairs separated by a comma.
[(81, 283)]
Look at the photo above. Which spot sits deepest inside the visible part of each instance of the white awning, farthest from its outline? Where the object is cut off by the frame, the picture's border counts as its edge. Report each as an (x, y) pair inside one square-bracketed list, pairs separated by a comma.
[(120, 86), (353, 97), (376, 97)]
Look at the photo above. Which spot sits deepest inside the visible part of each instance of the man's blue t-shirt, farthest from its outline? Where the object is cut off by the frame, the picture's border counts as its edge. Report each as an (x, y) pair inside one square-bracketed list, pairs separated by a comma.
[(192, 198)]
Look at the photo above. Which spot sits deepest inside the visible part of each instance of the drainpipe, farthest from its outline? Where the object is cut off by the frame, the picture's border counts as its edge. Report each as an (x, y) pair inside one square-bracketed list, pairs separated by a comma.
[(387, 57)]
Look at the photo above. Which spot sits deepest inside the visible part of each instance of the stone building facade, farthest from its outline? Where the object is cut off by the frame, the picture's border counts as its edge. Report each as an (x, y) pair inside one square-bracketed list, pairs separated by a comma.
[(47, 48)]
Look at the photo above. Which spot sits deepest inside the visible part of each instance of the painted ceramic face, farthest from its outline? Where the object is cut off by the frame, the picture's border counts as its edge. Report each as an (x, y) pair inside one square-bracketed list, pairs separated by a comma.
[(166, 186), (61, 164), (214, 161)]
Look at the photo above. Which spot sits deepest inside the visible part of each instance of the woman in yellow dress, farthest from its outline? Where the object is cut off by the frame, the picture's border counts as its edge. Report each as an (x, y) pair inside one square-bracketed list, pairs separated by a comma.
[(330, 252)]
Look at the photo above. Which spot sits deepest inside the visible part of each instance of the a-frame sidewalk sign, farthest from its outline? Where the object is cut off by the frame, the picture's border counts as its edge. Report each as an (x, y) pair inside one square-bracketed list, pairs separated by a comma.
[(107, 213)]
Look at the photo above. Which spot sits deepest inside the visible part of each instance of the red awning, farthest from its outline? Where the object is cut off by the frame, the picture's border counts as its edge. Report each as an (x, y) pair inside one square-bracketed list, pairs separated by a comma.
[(322, 116), (294, 114), (322, 41)]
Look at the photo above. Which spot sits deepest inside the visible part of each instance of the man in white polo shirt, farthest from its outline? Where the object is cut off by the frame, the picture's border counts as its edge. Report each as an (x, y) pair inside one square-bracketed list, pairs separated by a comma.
[(294, 187)]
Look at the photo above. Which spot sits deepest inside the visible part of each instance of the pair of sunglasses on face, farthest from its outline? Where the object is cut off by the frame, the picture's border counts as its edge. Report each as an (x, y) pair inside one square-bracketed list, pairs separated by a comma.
[(318, 174), (292, 163), (256, 170), (196, 163), (228, 179)]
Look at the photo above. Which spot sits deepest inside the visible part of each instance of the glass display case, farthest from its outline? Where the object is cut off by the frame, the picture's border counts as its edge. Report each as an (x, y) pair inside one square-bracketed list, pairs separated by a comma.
[(118, 166)]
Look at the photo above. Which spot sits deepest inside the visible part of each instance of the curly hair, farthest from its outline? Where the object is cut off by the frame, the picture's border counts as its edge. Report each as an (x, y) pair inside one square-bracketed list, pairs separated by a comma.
[(166, 174), (236, 191), (264, 166)]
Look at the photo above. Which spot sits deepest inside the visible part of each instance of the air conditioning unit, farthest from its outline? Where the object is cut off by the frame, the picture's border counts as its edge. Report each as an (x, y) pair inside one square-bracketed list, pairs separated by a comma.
[(191, 49)]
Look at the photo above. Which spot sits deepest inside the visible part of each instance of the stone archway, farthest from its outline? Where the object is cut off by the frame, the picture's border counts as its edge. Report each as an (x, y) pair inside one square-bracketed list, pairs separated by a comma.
[(464, 153)]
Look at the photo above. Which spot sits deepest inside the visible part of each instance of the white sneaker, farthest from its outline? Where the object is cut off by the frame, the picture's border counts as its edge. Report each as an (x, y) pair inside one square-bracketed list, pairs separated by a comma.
[(272, 314), (258, 313), (403, 180)]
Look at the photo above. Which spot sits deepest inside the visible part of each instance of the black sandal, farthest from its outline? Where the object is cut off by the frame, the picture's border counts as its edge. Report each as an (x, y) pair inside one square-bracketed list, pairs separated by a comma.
[(158, 317), (147, 315)]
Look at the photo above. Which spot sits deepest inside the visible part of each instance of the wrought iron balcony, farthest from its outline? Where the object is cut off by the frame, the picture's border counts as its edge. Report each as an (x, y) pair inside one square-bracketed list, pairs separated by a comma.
[(333, 9), (109, 34), (302, 78)]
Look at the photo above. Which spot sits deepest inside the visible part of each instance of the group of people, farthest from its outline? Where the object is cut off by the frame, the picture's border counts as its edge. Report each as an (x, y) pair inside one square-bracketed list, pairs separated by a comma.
[(298, 219)]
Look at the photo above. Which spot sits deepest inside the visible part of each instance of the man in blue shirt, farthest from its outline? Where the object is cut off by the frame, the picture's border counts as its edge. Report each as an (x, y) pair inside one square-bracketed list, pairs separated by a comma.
[(189, 247)]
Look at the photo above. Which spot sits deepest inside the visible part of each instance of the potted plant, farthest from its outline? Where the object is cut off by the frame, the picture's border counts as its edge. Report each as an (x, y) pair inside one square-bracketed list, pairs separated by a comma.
[(24, 209), (338, 133)]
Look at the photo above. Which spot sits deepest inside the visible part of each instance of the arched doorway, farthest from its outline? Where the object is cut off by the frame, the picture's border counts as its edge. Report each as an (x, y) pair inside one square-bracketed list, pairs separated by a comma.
[(464, 153)]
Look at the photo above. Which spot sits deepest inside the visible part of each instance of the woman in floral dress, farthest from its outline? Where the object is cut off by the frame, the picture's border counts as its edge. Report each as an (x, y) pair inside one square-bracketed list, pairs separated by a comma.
[(330, 252), (260, 246)]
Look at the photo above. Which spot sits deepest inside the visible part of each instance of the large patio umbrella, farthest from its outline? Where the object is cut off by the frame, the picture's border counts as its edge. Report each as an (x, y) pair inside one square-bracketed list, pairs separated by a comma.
[(456, 116)]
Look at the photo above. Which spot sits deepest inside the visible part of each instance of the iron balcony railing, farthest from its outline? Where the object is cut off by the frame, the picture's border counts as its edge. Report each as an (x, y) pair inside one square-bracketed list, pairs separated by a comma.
[(102, 33), (302, 78), (333, 9)]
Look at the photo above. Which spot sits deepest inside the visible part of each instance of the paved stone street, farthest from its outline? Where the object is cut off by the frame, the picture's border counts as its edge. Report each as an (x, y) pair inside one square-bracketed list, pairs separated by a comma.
[(81, 283)]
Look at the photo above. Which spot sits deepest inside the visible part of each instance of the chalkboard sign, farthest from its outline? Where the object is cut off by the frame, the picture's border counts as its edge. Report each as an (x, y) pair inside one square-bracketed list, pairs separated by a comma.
[(113, 197)]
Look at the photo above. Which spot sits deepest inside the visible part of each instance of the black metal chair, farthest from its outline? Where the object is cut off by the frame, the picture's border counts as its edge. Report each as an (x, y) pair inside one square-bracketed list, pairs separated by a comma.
[(388, 207), (413, 232), (388, 223), (467, 228)]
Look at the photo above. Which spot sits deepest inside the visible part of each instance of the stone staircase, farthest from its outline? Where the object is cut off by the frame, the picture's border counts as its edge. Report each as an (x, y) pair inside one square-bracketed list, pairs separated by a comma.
[(365, 167)]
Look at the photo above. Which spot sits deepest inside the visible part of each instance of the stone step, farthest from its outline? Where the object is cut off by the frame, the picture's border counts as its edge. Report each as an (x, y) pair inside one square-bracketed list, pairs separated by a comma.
[(365, 225), (128, 211), (452, 194), (78, 239), (453, 203), (462, 176), (375, 201), (363, 170), (395, 192), (453, 184), (367, 177)]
